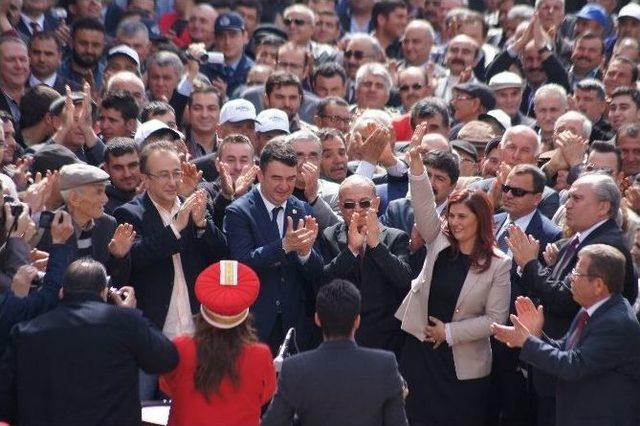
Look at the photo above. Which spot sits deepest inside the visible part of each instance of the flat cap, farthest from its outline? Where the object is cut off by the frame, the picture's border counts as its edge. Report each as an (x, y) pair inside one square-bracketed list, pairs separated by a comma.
[(466, 147), (480, 91), (505, 80), (75, 175)]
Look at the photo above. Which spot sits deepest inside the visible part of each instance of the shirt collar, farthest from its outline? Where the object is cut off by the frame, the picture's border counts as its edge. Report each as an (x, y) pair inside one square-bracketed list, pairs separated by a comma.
[(592, 309), (522, 222), (584, 234), (49, 81), (174, 210), (27, 20)]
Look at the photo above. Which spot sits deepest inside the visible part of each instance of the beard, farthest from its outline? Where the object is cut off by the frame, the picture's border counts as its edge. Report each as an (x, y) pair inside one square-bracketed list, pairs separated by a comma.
[(84, 61)]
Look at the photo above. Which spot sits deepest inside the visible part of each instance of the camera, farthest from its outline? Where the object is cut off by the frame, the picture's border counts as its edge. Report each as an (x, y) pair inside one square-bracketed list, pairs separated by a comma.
[(46, 218), (209, 58), (16, 206)]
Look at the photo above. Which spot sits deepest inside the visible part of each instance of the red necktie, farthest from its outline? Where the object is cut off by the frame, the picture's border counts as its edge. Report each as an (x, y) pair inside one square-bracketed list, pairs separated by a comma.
[(581, 321)]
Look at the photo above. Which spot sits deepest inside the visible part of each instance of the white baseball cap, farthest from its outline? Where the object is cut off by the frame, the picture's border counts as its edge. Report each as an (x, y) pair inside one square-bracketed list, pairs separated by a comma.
[(148, 128), (125, 50), (631, 10), (272, 119), (237, 110)]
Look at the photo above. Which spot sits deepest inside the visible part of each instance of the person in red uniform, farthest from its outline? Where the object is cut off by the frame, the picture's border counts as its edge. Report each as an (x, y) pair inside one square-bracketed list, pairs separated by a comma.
[(224, 376)]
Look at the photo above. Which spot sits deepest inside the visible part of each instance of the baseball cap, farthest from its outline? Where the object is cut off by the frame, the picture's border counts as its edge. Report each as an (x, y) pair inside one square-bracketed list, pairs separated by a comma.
[(272, 119), (631, 10), (229, 21), (237, 110), (225, 291), (148, 128), (497, 116), (505, 80), (79, 174), (126, 51), (594, 12), (480, 91)]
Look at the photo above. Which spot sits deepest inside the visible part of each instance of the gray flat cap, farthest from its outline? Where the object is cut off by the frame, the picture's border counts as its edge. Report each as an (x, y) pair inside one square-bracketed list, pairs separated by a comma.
[(75, 175)]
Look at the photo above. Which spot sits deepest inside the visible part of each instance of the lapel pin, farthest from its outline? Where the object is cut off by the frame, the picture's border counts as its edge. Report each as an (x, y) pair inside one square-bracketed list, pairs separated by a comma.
[(294, 211)]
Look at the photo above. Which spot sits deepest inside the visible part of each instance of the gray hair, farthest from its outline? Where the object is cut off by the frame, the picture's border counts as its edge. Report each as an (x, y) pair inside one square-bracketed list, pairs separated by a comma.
[(376, 69), (552, 89), (521, 11), (424, 25), (129, 28), (123, 76), (576, 115), (377, 116), (605, 189), (302, 9), (519, 129), (373, 42), (164, 58), (304, 135)]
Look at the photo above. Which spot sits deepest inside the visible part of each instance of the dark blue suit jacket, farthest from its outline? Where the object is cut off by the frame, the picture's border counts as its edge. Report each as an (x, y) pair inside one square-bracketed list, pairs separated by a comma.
[(286, 284), (151, 263), (599, 379), (50, 25), (548, 205), (396, 187), (339, 384)]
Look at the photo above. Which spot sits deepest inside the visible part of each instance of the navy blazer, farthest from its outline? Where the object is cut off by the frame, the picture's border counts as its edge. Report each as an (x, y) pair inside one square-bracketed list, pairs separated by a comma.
[(598, 381), (394, 188), (543, 230), (50, 25), (338, 384), (151, 256), (286, 284)]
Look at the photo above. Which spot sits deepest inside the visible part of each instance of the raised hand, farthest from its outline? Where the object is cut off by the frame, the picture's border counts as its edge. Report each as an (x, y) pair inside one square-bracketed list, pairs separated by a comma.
[(373, 228), (550, 254), (356, 237), (572, 146), (297, 239), (530, 316), (198, 213), (61, 227), (85, 119), (354, 145), (374, 144), (122, 240), (512, 336), (524, 248), (310, 174), (21, 172), (190, 178), (308, 238), (246, 179), (182, 218), (226, 181)]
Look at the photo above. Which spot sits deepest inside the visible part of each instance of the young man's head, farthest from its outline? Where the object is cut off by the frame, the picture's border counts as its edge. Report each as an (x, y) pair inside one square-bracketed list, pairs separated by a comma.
[(159, 110), (329, 79), (283, 90), (251, 12), (231, 36), (443, 170), (589, 98), (122, 162), (338, 310), (118, 115), (87, 42), (390, 18), (278, 171), (203, 109), (621, 72), (237, 152), (45, 53), (624, 107)]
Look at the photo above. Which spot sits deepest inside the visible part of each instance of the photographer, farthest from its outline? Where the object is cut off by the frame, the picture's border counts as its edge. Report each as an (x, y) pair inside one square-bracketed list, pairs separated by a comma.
[(17, 230)]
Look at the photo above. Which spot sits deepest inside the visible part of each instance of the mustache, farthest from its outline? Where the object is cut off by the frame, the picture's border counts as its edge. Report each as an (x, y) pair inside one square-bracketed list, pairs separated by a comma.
[(457, 61)]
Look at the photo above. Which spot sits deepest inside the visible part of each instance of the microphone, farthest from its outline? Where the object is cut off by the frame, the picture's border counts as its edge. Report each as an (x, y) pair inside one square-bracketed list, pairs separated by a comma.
[(277, 361)]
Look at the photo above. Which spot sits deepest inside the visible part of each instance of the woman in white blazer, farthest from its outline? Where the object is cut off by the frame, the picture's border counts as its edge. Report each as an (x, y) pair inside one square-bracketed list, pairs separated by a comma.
[(463, 287)]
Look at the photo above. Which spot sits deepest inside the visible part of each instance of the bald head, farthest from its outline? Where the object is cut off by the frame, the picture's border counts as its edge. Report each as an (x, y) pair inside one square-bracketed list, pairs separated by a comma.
[(520, 145), (434, 142), (130, 83)]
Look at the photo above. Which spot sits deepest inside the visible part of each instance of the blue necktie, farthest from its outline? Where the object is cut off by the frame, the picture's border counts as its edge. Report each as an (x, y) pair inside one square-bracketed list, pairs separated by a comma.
[(274, 218)]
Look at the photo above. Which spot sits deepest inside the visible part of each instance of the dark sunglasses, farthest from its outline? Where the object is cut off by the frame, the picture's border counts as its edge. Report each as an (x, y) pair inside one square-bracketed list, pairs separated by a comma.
[(350, 205), (357, 54), (517, 192), (414, 86), (298, 22)]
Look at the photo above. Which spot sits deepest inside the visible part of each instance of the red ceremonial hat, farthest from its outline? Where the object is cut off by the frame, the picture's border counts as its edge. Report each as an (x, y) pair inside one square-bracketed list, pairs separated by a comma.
[(226, 290)]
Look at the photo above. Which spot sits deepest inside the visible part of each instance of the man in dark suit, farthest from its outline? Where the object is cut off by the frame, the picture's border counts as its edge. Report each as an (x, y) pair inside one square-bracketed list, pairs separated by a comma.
[(373, 257), (77, 364), (261, 233), (339, 383), (45, 54), (593, 202), (175, 240), (97, 234), (597, 361), (520, 145), (521, 194), (443, 171), (36, 17)]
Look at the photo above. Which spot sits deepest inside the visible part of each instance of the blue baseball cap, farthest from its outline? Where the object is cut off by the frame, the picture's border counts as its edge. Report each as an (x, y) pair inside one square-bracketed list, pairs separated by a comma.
[(229, 21), (594, 12)]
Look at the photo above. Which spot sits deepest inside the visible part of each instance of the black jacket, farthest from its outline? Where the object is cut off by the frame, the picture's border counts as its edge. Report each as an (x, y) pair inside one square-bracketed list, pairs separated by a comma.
[(117, 198), (383, 277), (78, 365), (339, 384)]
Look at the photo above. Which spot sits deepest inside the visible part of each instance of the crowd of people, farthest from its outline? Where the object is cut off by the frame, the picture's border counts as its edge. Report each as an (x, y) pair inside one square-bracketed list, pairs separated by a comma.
[(436, 202)]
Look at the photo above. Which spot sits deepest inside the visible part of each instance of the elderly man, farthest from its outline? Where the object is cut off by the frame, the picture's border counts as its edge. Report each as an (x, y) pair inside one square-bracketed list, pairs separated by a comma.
[(413, 86), (309, 152), (509, 89), (549, 103), (200, 26), (417, 41), (520, 145), (136, 36), (373, 87), (589, 98), (593, 203), (97, 235), (360, 49), (163, 73), (130, 83), (373, 257), (300, 23), (14, 73), (469, 101), (461, 56)]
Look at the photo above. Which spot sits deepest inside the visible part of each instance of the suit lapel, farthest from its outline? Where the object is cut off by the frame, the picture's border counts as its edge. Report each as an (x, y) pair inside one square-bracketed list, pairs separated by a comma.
[(263, 216)]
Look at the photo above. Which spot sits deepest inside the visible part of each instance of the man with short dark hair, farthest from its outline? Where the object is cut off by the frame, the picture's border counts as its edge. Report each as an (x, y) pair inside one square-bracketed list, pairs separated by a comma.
[(283, 90), (589, 98), (45, 54), (621, 72), (273, 232), (122, 162), (624, 107), (86, 61), (329, 79), (390, 19), (36, 121), (587, 56), (118, 115), (108, 344), (333, 113), (339, 383), (628, 140), (203, 113)]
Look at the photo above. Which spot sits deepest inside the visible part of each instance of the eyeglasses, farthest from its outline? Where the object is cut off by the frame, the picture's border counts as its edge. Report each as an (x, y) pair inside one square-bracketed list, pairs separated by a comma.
[(517, 192), (350, 205), (165, 176), (299, 22), (577, 274), (357, 54), (336, 119), (414, 86)]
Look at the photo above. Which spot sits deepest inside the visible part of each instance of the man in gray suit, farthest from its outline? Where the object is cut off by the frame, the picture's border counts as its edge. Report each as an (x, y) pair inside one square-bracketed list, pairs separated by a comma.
[(339, 383)]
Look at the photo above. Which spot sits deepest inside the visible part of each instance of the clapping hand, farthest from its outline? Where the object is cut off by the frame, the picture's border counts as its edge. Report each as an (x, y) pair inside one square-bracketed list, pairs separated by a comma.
[(373, 228), (550, 254), (524, 248), (356, 237), (300, 239), (191, 176), (122, 240), (528, 321), (310, 174)]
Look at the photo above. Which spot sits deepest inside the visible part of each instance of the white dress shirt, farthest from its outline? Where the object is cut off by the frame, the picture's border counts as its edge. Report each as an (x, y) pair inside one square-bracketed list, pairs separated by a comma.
[(27, 22), (49, 81), (179, 318)]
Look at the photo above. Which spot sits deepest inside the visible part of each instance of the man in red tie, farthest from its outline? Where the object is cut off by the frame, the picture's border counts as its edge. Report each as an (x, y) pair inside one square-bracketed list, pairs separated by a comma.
[(597, 361)]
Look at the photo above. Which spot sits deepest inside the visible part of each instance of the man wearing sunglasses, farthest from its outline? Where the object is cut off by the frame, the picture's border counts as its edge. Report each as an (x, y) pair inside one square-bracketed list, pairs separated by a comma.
[(373, 257), (413, 86), (521, 194), (361, 49), (300, 23)]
